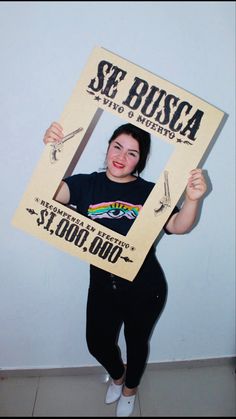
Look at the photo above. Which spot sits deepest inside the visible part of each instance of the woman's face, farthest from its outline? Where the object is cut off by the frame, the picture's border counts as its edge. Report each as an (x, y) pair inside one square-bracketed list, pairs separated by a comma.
[(122, 157)]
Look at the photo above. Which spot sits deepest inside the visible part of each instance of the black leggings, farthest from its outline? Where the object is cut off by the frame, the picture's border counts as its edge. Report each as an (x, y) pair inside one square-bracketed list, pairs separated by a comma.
[(107, 310)]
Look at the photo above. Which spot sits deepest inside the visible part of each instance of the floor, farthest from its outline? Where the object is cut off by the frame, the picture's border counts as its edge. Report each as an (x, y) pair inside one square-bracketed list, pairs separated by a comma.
[(164, 391)]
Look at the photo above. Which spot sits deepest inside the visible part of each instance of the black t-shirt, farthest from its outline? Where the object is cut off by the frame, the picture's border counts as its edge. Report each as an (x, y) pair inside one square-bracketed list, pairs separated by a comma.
[(114, 205)]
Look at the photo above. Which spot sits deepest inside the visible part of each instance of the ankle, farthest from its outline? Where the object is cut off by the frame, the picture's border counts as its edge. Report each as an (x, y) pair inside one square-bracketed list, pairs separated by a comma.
[(129, 391), (120, 380)]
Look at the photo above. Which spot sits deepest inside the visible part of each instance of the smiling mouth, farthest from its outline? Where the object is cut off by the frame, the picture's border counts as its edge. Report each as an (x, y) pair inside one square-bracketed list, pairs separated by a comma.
[(118, 165)]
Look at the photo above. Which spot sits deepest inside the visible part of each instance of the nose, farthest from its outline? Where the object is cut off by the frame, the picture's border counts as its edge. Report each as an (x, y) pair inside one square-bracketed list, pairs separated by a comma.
[(122, 155)]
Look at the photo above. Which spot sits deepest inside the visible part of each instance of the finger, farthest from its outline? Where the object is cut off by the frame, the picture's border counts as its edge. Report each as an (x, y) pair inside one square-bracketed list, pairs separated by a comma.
[(196, 175), (56, 127), (197, 170), (198, 186), (50, 138), (54, 133), (197, 179)]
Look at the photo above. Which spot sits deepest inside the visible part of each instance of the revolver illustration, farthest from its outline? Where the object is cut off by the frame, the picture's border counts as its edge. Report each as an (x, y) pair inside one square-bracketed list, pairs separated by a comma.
[(165, 200), (57, 148)]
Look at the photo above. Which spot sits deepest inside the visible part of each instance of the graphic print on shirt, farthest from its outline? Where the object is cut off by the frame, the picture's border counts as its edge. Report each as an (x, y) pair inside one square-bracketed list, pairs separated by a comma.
[(114, 210)]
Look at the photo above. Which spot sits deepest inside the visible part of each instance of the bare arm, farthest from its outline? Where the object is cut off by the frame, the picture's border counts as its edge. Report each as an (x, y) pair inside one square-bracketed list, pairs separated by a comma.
[(63, 193), (183, 221), (54, 134)]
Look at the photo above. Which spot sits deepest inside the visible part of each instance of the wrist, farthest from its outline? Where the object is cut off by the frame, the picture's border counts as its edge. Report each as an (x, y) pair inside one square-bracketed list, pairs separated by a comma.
[(191, 201)]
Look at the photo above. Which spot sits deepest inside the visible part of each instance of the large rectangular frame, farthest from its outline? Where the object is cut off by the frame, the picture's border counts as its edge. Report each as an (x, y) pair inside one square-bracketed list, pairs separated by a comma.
[(111, 83)]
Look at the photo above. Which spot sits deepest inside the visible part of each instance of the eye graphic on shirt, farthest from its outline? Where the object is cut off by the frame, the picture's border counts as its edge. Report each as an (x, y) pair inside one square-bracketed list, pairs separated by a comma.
[(116, 213), (114, 210)]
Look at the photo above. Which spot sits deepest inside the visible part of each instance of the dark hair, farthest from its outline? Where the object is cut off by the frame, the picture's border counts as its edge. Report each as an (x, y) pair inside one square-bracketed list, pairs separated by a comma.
[(144, 141)]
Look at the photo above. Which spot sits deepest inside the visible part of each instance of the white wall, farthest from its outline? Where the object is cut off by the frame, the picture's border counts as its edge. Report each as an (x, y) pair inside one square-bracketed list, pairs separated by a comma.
[(44, 47)]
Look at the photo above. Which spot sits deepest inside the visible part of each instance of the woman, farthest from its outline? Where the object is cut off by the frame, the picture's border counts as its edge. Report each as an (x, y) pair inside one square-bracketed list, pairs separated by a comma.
[(114, 198)]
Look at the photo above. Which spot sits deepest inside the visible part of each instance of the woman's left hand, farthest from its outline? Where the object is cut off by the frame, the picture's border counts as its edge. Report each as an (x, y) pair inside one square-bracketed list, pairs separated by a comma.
[(196, 186)]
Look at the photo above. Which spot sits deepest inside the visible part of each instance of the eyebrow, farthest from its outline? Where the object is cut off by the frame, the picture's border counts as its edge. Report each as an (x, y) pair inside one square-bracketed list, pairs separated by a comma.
[(130, 149)]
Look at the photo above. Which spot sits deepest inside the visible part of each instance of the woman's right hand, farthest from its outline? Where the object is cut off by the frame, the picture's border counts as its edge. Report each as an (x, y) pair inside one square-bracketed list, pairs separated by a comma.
[(53, 134)]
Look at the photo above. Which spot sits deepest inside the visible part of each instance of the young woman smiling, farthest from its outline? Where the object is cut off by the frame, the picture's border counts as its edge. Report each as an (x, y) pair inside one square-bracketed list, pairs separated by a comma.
[(114, 199)]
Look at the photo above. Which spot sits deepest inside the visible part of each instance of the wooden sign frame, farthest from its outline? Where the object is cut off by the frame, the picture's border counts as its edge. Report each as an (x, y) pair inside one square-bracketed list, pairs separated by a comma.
[(113, 84)]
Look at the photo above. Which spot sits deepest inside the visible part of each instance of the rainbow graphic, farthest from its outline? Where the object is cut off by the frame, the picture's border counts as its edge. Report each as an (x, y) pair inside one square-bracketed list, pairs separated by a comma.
[(114, 210)]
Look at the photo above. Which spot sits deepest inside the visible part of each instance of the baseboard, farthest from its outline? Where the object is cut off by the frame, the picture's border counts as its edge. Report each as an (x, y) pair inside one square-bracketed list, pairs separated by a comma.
[(85, 370), (193, 363)]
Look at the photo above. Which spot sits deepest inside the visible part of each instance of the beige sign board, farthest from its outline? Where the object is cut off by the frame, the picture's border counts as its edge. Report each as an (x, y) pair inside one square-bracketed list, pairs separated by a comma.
[(110, 83)]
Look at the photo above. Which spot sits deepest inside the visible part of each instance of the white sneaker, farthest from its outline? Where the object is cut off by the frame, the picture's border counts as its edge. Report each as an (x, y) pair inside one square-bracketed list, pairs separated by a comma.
[(125, 405), (113, 392)]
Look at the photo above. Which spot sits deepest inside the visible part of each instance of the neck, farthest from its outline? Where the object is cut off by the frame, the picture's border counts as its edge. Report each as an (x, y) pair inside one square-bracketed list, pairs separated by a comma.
[(125, 179)]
